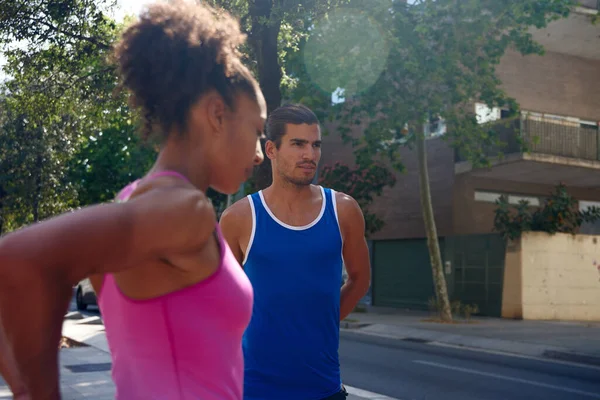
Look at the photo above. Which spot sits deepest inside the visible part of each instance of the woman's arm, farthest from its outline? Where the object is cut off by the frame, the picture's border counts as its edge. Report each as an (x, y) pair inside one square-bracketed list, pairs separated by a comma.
[(8, 368), (40, 264)]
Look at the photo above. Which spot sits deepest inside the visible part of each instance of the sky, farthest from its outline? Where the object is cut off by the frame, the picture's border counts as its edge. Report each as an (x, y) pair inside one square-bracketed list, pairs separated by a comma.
[(130, 7)]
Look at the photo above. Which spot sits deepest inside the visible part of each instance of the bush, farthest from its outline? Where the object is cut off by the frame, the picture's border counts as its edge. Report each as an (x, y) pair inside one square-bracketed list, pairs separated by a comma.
[(558, 214)]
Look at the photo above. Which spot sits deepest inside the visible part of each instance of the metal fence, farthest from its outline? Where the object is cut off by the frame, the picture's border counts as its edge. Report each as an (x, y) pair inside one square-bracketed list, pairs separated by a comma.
[(534, 135), (574, 141)]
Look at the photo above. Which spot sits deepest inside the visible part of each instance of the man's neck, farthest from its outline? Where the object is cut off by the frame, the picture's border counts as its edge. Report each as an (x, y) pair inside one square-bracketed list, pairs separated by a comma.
[(289, 194)]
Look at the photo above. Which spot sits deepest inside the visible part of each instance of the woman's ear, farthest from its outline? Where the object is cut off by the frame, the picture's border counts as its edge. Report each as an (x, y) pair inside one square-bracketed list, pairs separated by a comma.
[(214, 109)]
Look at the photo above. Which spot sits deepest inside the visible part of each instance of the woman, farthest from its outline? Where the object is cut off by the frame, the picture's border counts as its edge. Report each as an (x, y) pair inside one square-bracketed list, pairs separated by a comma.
[(175, 302)]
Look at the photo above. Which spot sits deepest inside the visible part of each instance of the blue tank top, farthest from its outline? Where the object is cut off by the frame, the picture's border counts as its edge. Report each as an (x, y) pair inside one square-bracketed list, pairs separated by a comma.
[(291, 344)]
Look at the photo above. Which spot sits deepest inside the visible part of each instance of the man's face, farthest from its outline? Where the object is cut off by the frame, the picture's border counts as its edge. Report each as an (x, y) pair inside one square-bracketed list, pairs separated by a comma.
[(298, 155)]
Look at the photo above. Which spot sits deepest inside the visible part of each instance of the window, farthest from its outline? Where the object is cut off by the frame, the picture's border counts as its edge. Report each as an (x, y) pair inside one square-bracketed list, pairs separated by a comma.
[(485, 114), (492, 197), (588, 228), (436, 127)]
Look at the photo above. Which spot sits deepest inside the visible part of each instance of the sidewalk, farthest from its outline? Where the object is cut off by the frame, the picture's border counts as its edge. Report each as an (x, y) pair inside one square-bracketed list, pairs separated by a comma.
[(567, 341), (85, 371), (84, 374)]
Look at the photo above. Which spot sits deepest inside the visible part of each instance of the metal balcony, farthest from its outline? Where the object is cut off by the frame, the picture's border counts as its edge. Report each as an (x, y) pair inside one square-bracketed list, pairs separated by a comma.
[(533, 135)]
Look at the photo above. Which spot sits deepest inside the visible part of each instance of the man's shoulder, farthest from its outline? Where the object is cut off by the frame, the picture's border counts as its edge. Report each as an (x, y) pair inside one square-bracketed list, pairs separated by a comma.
[(348, 209), (344, 200), (239, 209)]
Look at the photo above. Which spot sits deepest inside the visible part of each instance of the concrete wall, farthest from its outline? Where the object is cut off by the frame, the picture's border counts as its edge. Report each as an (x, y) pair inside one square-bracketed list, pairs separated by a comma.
[(554, 83), (552, 278)]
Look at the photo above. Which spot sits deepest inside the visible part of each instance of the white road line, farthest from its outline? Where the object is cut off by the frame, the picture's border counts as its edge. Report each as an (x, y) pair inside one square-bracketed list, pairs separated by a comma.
[(507, 354), (366, 394), (509, 378)]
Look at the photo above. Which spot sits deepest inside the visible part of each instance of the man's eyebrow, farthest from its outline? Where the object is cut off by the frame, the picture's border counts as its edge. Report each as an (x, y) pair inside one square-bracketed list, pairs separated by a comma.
[(298, 140)]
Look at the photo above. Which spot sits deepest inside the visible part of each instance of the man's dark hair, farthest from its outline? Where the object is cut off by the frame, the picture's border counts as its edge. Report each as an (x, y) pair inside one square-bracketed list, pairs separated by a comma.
[(174, 54), (295, 114)]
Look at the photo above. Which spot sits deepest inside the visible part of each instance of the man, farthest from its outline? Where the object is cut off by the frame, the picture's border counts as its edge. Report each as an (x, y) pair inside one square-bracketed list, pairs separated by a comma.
[(290, 239)]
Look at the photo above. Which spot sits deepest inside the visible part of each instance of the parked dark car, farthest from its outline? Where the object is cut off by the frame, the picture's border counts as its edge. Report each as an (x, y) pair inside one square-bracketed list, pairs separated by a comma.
[(85, 295)]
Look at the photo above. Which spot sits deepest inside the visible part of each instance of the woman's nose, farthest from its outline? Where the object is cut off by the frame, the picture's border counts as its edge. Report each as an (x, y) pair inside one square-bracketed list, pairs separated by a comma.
[(258, 155)]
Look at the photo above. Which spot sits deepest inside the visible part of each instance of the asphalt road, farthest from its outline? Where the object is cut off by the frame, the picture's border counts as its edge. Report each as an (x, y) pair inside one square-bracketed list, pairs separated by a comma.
[(418, 371)]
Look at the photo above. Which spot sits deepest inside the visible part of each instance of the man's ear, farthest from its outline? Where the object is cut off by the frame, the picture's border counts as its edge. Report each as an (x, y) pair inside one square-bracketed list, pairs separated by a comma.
[(270, 149)]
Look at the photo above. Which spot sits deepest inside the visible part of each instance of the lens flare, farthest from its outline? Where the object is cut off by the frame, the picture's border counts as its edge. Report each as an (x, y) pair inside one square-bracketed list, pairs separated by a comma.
[(346, 50)]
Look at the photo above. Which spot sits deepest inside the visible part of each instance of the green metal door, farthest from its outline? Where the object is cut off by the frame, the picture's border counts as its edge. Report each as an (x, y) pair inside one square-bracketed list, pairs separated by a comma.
[(477, 271), (402, 273)]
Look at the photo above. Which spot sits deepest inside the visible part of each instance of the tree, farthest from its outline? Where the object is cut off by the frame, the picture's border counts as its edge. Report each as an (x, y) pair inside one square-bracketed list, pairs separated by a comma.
[(58, 95), (59, 48), (442, 58), (62, 85), (33, 156), (110, 160), (275, 29)]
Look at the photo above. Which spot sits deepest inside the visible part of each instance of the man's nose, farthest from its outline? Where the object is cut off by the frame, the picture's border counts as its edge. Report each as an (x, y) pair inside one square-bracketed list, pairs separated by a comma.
[(309, 154)]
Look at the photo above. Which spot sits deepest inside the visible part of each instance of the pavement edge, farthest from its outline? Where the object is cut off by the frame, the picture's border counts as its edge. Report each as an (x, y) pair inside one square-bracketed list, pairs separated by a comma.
[(478, 343)]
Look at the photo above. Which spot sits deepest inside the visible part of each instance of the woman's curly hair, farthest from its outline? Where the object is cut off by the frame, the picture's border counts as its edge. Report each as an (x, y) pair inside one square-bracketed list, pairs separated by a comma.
[(175, 53)]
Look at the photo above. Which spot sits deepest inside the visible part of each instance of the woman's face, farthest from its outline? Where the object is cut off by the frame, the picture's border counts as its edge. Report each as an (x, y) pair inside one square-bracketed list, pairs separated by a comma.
[(236, 150)]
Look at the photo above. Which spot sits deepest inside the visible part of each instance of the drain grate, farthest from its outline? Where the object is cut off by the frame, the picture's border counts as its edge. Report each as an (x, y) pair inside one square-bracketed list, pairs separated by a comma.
[(98, 367)]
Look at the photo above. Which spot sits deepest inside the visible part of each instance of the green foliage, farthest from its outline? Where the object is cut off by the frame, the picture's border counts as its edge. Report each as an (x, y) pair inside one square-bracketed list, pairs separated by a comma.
[(57, 96), (58, 48), (342, 37), (32, 166), (558, 214), (443, 57), (360, 183), (286, 76), (108, 161)]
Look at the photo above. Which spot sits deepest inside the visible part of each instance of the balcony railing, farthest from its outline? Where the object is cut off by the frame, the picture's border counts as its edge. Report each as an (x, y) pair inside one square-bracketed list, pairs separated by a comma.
[(534, 135)]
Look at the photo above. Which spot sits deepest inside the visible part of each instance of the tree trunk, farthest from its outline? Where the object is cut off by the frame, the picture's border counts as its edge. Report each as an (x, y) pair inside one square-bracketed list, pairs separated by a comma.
[(433, 244), (38, 175), (2, 209), (263, 39)]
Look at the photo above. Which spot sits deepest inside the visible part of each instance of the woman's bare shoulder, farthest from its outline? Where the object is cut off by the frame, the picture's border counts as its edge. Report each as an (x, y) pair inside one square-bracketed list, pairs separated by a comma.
[(114, 236)]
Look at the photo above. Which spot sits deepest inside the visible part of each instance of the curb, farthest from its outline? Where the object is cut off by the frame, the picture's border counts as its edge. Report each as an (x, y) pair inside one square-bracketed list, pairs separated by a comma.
[(90, 332), (476, 343), (572, 357)]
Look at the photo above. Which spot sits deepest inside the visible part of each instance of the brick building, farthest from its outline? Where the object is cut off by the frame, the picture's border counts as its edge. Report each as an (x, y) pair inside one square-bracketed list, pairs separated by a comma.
[(559, 95)]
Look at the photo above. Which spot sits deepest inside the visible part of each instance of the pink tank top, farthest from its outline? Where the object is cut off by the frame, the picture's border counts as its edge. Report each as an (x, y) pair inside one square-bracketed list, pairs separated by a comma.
[(184, 345)]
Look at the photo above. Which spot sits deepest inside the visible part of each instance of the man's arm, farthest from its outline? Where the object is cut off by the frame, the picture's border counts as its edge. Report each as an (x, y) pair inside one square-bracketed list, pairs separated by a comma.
[(236, 225), (355, 253)]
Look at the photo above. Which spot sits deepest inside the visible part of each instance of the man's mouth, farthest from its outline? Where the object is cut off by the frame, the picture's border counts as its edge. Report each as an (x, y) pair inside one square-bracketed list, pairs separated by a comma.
[(308, 166)]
